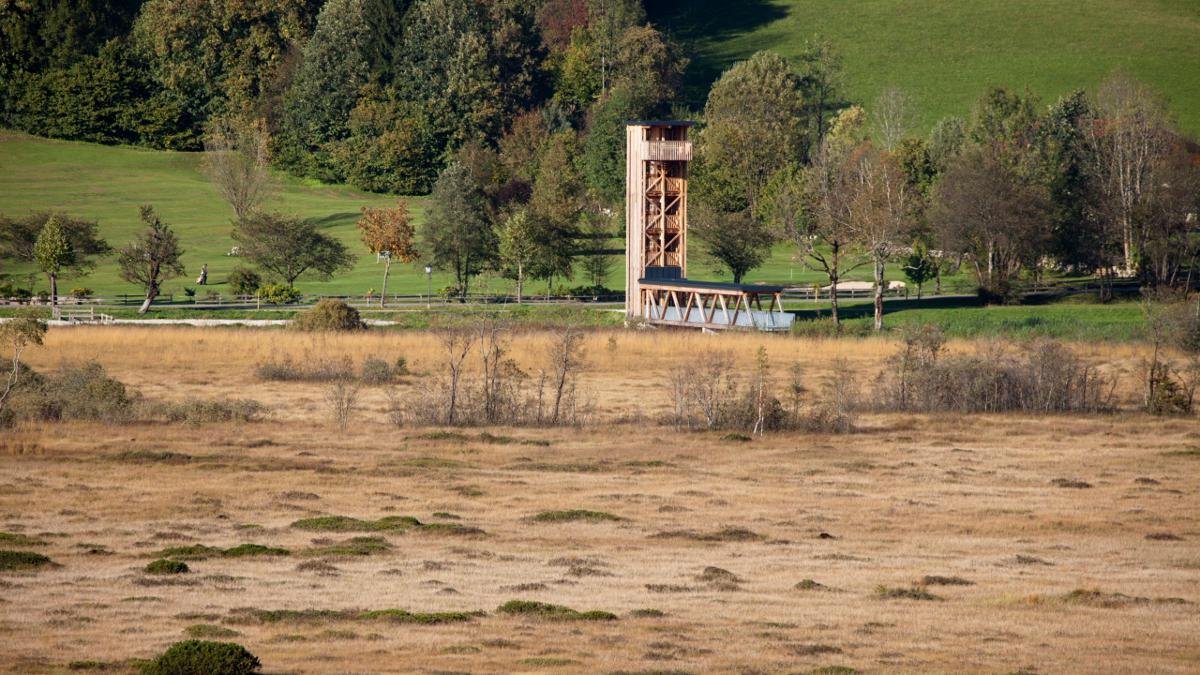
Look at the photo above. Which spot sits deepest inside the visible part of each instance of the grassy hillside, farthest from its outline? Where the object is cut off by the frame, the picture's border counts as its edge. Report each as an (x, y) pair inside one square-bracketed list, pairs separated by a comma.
[(108, 183), (945, 52)]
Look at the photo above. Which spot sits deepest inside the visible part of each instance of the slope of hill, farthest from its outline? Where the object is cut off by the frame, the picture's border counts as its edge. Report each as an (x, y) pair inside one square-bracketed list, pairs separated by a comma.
[(107, 183), (945, 52)]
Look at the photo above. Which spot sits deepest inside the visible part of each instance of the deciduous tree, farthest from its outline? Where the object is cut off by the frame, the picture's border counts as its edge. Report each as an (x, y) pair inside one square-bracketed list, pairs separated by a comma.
[(237, 159), (388, 231), (152, 258), (457, 234), (983, 209), (287, 247)]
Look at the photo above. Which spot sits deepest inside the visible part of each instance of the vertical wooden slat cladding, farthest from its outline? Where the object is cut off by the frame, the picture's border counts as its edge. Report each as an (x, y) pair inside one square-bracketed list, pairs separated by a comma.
[(656, 170)]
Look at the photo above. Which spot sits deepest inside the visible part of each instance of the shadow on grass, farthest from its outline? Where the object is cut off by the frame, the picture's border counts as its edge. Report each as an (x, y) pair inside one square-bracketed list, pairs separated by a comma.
[(334, 219), (694, 21), (893, 306)]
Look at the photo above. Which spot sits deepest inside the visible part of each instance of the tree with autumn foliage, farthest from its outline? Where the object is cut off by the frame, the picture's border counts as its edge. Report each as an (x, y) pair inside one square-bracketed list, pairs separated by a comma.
[(388, 231)]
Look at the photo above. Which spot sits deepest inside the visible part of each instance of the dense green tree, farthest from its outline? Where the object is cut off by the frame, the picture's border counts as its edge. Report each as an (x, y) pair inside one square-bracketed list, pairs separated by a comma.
[(473, 66), (37, 35), (754, 125), (216, 55), (517, 249), (354, 44), (920, 266), (99, 98), (53, 254), (457, 235), (391, 146), (736, 241), (152, 258), (946, 140), (603, 158), (556, 207), (984, 209), (287, 247)]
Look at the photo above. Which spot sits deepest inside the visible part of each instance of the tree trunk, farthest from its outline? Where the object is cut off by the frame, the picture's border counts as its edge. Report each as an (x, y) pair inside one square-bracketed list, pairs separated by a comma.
[(54, 290), (833, 283), (520, 283), (151, 294), (878, 293), (937, 279), (387, 267)]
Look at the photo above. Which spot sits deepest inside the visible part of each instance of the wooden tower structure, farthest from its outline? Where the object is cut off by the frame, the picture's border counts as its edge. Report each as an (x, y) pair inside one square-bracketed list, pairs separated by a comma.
[(656, 285)]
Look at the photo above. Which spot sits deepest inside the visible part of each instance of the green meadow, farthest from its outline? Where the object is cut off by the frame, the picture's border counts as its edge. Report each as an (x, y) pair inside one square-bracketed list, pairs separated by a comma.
[(945, 52)]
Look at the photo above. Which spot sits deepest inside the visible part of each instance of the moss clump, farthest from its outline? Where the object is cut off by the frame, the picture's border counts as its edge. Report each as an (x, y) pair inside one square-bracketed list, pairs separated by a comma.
[(902, 593), (574, 515), (13, 561), (425, 618), (647, 614), (202, 657), (253, 550), (386, 524), (354, 546), (164, 566), (549, 612)]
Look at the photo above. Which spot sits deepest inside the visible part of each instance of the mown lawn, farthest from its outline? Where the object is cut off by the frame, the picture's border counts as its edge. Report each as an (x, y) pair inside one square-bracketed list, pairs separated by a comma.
[(944, 53)]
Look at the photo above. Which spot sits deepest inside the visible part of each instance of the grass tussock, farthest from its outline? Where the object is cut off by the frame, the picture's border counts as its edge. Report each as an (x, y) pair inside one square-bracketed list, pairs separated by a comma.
[(575, 515), (210, 411), (251, 615), (202, 552), (1097, 598), (209, 631), (15, 539), (549, 612), (19, 561), (385, 524)]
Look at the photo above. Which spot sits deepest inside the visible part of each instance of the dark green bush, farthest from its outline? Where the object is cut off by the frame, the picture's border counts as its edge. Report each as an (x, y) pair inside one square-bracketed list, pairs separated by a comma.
[(545, 610), (76, 392), (329, 315), (203, 657), (166, 567), (199, 411), (244, 281), (376, 371), (278, 294)]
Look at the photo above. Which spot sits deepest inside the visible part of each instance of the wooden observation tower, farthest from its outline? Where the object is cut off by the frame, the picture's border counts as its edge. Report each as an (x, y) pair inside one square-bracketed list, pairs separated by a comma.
[(656, 285)]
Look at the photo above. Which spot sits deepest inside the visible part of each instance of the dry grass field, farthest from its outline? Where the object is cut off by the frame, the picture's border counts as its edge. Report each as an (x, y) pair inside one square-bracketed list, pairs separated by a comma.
[(986, 543)]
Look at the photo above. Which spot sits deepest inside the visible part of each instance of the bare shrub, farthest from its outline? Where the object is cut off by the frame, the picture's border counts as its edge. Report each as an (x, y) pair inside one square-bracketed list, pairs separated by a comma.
[(308, 369), (1042, 377), (708, 395), (1173, 324), (342, 398), (478, 384)]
